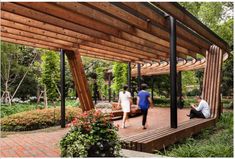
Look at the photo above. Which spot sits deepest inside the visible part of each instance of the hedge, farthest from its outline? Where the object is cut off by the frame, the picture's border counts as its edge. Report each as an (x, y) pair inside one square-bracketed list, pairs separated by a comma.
[(36, 119)]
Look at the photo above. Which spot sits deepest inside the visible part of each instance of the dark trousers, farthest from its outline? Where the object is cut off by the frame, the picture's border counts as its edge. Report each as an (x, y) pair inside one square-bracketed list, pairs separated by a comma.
[(144, 113), (196, 114)]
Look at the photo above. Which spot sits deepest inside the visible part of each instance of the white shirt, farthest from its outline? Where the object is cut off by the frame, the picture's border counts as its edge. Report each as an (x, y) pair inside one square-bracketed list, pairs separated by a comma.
[(204, 108), (125, 97)]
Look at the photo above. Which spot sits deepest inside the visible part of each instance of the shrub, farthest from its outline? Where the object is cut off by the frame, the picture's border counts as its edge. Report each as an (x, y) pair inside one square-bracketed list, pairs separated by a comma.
[(36, 119), (92, 134), (194, 92)]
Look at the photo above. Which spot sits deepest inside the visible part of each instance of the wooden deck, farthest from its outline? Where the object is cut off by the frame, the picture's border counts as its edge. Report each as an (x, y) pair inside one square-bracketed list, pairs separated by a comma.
[(159, 134)]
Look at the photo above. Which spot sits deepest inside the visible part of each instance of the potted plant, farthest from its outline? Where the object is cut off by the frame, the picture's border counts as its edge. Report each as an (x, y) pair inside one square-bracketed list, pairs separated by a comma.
[(92, 134)]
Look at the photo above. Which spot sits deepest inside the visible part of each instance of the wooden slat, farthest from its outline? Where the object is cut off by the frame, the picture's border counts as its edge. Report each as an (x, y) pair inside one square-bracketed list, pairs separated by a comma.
[(21, 35), (49, 39), (148, 30), (69, 25), (155, 17), (35, 45), (70, 34), (189, 20), (212, 79), (157, 139), (164, 69)]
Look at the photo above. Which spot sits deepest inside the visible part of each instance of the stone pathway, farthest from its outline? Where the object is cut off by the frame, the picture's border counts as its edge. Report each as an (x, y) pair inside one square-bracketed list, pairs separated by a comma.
[(45, 143)]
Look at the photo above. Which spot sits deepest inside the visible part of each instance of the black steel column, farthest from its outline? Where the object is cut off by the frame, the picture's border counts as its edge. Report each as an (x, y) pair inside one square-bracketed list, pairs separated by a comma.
[(173, 72), (109, 75), (179, 90), (138, 76), (152, 87), (129, 76), (62, 88)]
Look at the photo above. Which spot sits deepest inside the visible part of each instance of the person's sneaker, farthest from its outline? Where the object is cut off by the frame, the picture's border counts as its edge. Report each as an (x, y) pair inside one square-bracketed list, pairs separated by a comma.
[(144, 127)]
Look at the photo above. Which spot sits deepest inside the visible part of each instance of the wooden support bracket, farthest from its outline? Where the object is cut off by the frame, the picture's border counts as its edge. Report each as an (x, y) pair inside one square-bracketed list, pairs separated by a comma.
[(79, 77)]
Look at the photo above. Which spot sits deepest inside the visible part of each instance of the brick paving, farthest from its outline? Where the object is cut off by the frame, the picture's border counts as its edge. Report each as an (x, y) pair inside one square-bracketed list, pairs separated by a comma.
[(46, 144)]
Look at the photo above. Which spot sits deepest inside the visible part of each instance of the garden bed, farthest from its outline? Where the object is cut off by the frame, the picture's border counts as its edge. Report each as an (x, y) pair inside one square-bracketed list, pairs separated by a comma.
[(36, 119)]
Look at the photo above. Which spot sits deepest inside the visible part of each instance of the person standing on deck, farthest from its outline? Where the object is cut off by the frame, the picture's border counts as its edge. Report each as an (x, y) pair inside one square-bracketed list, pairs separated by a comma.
[(125, 102), (202, 111), (144, 101)]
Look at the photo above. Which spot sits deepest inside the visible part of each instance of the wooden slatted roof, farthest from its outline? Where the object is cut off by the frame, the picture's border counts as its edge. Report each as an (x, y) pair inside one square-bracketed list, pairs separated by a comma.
[(119, 31), (164, 67)]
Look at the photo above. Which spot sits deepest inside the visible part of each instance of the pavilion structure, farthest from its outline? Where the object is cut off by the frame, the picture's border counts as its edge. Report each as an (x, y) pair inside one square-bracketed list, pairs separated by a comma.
[(134, 32)]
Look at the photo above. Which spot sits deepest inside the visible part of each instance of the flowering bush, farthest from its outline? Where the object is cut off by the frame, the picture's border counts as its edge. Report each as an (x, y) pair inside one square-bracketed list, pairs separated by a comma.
[(92, 134), (36, 119)]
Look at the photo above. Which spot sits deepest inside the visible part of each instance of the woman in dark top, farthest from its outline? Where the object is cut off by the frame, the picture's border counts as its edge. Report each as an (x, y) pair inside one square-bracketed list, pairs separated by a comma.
[(144, 101)]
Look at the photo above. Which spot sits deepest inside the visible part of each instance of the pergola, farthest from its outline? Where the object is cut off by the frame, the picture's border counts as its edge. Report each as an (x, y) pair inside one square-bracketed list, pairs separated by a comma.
[(156, 33)]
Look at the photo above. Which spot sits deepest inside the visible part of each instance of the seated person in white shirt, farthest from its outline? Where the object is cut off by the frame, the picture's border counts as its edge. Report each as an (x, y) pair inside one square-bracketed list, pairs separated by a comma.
[(202, 111)]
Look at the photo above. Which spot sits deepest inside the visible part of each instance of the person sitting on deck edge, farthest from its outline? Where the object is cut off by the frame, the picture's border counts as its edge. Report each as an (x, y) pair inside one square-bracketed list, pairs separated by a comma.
[(143, 101), (202, 111)]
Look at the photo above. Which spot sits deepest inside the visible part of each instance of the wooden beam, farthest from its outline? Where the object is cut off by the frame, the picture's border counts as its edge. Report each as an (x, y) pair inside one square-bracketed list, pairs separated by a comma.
[(69, 25), (156, 17), (32, 26), (80, 81), (71, 44), (83, 52), (50, 44), (146, 31), (181, 14)]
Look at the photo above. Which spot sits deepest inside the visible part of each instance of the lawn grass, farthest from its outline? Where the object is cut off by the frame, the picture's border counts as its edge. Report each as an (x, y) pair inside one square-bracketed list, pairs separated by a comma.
[(211, 142)]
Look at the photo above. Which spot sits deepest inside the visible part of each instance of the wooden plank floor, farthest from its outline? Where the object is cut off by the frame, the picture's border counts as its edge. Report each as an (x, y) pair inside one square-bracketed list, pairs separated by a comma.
[(159, 134), (157, 118)]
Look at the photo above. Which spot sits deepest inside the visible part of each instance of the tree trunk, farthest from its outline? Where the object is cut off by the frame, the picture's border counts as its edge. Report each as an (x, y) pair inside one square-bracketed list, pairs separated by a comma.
[(38, 93), (45, 97), (6, 95)]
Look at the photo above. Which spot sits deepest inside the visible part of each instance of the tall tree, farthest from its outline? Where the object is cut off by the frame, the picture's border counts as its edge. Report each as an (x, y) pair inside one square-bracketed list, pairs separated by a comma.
[(120, 76), (10, 68), (50, 75), (218, 16)]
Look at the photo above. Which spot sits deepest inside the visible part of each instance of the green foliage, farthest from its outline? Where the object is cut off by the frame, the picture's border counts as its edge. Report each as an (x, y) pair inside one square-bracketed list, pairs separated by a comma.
[(36, 119), (193, 8), (120, 76), (9, 60), (194, 92), (165, 102), (96, 69), (218, 16), (70, 90), (162, 85), (92, 135), (7, 110), (227, 84), (50, 73), (212, 142), (188, 79), (100, 72)]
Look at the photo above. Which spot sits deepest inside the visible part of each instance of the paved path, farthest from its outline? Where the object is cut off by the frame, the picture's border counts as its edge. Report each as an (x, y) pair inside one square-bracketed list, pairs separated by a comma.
[(46, 144)]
